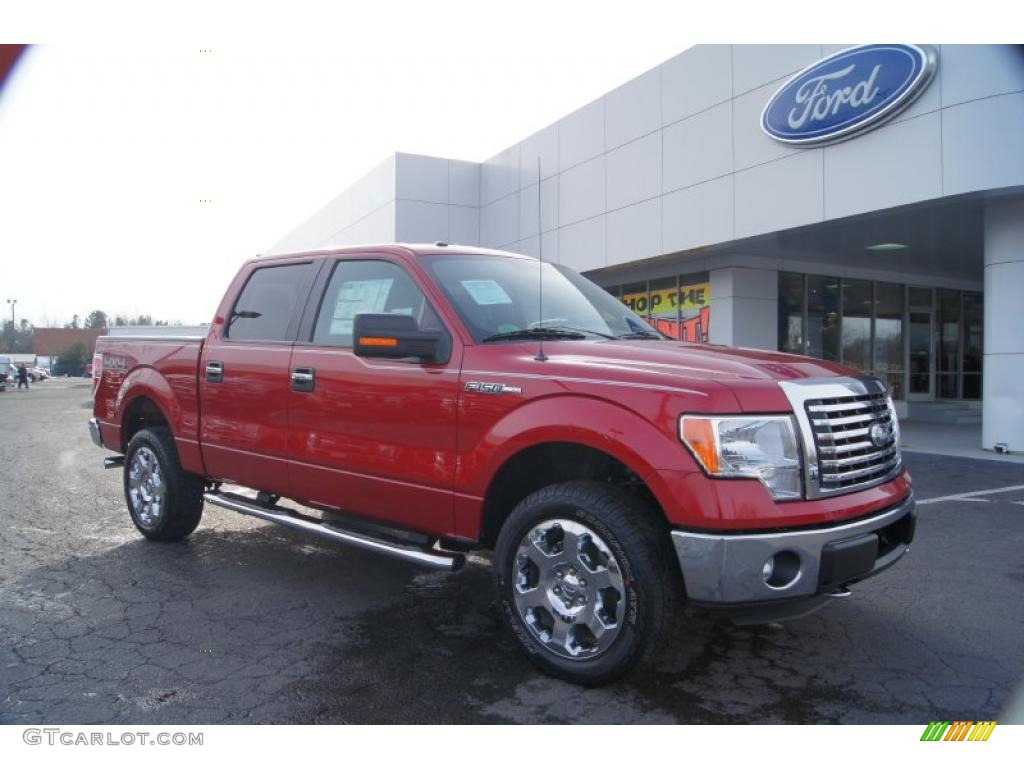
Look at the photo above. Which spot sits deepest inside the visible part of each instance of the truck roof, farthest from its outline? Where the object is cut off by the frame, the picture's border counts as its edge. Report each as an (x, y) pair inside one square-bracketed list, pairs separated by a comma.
[(414, 249)]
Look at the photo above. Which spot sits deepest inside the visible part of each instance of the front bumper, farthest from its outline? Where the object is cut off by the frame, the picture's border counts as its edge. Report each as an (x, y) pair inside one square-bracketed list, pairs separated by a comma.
[(724, 570), (94, 432)]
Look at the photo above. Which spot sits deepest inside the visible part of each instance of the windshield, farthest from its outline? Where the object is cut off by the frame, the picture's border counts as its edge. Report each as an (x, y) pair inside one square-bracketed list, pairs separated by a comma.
[(497, 296)]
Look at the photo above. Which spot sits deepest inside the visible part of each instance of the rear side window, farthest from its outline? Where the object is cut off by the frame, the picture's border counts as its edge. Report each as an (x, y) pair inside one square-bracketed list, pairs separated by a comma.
[(372, 287), (267, 302)]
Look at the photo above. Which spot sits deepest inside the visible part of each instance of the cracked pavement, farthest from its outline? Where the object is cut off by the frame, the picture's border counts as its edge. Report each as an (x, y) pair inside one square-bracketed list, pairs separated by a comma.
[(246, 622)]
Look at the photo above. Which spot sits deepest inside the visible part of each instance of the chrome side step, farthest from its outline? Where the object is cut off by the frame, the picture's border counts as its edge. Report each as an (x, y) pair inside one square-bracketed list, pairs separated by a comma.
[(430, 558)]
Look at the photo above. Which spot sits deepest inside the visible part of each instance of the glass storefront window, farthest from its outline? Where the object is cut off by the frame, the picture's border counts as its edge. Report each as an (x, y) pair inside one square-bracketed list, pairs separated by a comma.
[(881, 324), (856, 326), (823, 317), (679, 307), (791, 313), (635, 297), (663, 312), (947, 342), (889, 336), (973, 326), (695, 307)]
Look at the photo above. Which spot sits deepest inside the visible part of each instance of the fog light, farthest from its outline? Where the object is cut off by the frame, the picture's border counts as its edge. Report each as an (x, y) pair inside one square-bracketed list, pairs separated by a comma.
[(781, 570)]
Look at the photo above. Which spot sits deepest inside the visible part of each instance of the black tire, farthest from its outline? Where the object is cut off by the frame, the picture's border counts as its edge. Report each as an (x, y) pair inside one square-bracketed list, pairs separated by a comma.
[(640, 541), (181, 493)]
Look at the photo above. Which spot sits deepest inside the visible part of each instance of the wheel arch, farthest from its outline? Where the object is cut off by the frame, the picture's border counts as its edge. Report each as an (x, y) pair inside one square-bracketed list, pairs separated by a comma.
[(146, 398), (546, 463), (141, 412), (567, 437)]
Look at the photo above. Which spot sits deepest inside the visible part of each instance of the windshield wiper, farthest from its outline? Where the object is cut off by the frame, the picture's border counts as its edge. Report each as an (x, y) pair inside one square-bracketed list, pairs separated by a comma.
[(640, 335), (577, 330), (535, 333)]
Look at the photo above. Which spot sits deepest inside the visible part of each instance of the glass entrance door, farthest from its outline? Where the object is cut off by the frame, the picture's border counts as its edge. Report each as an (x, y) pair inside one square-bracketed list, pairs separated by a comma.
[(920, 359)]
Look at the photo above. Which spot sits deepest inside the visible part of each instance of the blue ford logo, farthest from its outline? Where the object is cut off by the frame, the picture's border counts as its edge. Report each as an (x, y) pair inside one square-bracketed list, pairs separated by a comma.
[(847, 93), (880, 434)]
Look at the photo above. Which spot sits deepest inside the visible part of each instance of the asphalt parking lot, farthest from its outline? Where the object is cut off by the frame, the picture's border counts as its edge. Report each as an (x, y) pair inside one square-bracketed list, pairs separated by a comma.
[(250, 623)]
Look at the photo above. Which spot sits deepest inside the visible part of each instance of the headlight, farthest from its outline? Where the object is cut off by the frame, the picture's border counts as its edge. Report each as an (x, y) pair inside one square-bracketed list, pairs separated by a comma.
[(761, 447)]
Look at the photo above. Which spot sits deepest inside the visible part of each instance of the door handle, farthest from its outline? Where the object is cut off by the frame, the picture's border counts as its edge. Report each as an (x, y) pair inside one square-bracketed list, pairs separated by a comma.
[(214, 372), (303, 379)]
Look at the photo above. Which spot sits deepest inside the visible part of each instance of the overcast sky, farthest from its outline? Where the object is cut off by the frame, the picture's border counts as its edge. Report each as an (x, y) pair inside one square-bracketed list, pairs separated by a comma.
[(106, 154), (108, 147)]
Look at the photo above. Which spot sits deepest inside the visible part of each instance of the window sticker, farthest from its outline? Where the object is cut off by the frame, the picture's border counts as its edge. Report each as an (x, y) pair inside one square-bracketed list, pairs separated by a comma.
[(357, 297), (485, 292)]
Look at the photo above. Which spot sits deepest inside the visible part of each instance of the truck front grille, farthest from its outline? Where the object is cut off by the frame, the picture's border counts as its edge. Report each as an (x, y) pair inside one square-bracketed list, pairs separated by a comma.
[(837, 418), (841, 429)]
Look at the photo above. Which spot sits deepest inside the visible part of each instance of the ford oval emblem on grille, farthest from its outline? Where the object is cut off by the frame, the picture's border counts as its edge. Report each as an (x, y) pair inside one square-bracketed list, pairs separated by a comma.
[(847, 93), (880, 434)]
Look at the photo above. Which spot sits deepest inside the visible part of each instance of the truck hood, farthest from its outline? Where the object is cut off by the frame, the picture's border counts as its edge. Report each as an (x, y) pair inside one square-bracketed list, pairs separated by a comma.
[(752, 375)]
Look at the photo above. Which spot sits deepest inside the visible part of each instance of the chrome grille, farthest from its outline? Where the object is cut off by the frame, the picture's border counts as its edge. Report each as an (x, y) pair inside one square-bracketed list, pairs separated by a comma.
[(841, 427), (836, 417)]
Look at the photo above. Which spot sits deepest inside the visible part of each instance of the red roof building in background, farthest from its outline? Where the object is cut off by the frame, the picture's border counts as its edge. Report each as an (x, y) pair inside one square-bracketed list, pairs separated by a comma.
[(54, 341)]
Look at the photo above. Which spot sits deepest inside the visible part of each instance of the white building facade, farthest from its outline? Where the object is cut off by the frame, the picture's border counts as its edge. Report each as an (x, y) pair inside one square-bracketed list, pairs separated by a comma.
[(896, 247)]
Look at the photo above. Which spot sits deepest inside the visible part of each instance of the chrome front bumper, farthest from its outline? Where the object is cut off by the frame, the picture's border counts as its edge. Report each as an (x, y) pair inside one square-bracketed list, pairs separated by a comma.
[(94, 432), (729, 570)]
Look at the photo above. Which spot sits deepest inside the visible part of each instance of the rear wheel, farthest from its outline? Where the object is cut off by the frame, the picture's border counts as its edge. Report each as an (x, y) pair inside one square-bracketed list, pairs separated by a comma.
[(585, 579), (164, 501)]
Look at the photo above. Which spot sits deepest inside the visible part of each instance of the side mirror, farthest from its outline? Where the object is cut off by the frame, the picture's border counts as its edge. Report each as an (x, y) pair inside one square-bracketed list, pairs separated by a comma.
[(396, 336)]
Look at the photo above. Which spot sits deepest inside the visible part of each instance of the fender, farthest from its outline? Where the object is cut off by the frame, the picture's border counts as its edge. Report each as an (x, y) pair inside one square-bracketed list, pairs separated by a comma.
[(599, 424), (182, 418)]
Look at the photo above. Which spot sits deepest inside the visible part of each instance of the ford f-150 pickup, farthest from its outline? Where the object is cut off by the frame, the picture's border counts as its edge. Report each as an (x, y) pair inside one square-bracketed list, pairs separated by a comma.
[(426, 401)]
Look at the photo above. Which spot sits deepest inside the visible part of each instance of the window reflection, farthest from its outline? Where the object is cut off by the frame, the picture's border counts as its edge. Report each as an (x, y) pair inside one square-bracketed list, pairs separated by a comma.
[(823, 317), (863, 324)]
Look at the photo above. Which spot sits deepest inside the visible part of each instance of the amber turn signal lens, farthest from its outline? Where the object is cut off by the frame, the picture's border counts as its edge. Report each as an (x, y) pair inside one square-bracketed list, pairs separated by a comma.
[(374, 341), (699, 435)]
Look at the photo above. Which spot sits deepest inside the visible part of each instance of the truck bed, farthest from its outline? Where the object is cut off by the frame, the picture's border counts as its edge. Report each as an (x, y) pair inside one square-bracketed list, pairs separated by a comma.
[(162, 368)]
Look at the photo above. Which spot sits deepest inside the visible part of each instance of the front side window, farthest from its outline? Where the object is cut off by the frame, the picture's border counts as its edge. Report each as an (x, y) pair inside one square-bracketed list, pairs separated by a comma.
[(369, 287), (265, 307), (497, 295)]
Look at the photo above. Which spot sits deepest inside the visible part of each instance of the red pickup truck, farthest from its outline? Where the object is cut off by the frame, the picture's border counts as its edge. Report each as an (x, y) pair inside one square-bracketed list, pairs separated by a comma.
[(425, 401)]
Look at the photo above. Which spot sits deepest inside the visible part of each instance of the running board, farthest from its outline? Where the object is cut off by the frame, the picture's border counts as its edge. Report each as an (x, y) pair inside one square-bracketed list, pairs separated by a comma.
[(430, 558)]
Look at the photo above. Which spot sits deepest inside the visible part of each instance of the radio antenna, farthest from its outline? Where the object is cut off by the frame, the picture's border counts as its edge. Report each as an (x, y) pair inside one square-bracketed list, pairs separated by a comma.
[(541, 357)]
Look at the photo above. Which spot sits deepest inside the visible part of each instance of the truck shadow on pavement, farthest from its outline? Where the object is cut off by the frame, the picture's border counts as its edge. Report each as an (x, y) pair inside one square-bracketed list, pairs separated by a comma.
[(261, 625)]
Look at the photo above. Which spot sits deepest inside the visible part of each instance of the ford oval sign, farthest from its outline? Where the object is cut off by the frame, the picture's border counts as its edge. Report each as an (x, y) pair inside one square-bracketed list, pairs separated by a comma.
[(847, 93)]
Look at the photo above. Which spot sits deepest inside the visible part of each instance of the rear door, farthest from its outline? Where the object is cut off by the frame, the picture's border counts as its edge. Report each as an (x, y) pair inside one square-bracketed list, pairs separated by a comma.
[(244, 379), (373, 437)]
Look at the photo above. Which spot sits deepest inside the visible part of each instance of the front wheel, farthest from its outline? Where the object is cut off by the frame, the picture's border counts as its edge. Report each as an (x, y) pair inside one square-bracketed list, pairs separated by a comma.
[(165, 501), (585, 579)]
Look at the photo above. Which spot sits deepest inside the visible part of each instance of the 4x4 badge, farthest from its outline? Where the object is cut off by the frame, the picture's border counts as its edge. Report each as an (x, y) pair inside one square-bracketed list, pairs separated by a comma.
[(492, 389)]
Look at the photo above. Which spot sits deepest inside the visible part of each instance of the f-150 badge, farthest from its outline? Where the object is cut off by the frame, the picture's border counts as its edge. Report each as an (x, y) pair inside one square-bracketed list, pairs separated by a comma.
[(488, 388)]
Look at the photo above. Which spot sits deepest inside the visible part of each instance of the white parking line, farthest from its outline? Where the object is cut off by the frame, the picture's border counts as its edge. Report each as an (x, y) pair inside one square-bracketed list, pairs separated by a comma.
[(972, 494)]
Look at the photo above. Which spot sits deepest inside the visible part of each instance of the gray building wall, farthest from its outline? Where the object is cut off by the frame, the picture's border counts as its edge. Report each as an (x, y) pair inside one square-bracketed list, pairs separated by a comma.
[(675, 159)]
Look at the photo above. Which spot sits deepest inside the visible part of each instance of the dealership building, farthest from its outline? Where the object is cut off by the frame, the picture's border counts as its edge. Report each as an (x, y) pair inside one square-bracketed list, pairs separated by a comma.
[(862, 204)]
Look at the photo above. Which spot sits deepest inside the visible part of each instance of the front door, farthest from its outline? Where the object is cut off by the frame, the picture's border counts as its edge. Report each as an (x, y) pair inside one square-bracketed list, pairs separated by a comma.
[(373, 437), (244, 380), (920, 359)]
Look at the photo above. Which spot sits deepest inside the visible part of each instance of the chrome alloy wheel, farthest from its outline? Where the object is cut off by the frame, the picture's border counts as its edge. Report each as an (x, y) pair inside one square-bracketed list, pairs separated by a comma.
[(146, 487), (568, 589)]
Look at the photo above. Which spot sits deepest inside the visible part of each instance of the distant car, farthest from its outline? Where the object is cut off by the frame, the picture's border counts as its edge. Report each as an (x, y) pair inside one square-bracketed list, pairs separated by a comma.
[(41, 374)]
